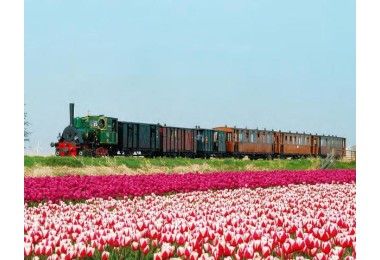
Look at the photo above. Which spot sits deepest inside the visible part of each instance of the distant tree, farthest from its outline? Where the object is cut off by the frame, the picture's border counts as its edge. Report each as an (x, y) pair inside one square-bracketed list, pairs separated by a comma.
[(353, 148), (26, 124)]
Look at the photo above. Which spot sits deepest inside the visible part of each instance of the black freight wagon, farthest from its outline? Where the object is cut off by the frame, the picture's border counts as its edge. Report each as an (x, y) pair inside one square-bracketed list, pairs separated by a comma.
[(139, 139), (210, 143)]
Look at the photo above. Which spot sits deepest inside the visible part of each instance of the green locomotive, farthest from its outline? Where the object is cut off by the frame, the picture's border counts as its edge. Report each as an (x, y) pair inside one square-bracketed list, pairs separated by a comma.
[(88, 135)]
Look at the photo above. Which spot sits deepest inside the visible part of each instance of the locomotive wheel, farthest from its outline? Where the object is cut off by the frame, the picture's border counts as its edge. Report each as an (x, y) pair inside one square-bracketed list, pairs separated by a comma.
[(101, 151)]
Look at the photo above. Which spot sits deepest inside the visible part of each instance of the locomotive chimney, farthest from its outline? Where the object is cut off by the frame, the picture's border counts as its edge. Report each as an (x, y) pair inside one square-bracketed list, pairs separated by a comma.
[(71, 114)]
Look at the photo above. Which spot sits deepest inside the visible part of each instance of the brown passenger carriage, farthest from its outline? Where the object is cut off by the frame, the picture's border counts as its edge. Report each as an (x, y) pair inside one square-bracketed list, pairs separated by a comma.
[(254, 143)]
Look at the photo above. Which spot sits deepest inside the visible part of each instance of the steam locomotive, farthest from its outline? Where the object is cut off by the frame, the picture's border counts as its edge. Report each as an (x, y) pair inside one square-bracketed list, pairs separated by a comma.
[(99, 135)]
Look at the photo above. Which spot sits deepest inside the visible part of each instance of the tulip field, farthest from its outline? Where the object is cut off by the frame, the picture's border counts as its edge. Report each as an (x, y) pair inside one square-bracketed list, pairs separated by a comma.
[(222, 215)]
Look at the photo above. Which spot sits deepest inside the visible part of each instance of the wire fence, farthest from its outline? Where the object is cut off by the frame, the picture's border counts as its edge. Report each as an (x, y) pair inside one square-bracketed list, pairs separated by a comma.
[(350, 155)]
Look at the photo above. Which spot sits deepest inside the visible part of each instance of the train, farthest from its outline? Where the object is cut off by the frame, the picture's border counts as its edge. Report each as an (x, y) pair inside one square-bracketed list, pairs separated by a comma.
[(99, 135)]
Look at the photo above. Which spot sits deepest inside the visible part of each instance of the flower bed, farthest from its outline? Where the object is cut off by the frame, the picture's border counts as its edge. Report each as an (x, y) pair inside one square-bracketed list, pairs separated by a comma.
[(118, 186), (304, 221)]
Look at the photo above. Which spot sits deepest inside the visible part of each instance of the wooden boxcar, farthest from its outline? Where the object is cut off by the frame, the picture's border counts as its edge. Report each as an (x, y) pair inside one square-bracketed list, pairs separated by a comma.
[(177, 141), (139, 139)]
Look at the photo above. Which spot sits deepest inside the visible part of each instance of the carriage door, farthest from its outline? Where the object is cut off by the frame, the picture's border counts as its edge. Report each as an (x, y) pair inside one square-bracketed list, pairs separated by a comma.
[(277, 142), (314, 145)]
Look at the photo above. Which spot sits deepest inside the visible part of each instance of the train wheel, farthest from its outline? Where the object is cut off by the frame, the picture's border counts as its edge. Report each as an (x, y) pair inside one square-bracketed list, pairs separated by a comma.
[(101, 151)]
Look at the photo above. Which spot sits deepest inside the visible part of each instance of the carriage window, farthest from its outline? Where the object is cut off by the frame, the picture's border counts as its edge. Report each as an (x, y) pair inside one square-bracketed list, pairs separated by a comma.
[(215, 136), (229, 137), (247, 136), (252, 137), (241, 137), (290, 139)]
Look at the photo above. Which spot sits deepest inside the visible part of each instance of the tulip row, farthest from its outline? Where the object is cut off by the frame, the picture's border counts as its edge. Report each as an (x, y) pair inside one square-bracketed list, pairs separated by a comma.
[(284, 222), (78, 188)]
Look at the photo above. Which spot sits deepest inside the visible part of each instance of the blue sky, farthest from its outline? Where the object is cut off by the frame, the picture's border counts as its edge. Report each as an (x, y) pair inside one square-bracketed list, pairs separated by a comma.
[(283, 65)]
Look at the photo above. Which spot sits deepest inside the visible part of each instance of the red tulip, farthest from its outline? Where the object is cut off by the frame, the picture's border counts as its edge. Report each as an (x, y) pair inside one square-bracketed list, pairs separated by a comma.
[(27, 250), (326, 247), (193, 256), (145, 250), (300, 244), (135, 245), (286, 248), (309, 242), (248, 252), (53, 257), (281, 236), (105, 255), (90, 251), (180, 239), (320, 256), (332, 230), (266, 251), (157, 256), (323, 235), (181, 251), (165, 253)]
